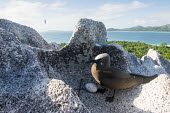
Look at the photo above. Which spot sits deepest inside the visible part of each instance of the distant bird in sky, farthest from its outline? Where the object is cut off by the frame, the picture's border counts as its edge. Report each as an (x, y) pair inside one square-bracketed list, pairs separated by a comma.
[(45, 21)]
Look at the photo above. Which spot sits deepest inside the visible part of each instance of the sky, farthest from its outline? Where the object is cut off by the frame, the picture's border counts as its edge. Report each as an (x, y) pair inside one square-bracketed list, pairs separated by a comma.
[(63, 15)]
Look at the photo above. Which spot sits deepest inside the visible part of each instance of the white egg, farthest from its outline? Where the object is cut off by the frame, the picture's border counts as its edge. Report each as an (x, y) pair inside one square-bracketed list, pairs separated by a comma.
[(91, 87)]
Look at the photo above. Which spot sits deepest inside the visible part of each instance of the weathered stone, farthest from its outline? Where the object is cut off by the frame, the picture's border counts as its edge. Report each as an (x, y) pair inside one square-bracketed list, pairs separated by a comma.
[(25, 86), (25, 34), (35, 79), (55, 46), (79, 49), (89, 32), (159, 60)]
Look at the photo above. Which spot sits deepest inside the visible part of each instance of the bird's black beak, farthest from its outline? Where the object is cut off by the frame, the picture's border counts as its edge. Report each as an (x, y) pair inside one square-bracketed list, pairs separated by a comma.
[(91, 61)]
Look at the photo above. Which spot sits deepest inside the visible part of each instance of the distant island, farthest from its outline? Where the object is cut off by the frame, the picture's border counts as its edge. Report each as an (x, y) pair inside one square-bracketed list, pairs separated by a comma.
[(164, 28)]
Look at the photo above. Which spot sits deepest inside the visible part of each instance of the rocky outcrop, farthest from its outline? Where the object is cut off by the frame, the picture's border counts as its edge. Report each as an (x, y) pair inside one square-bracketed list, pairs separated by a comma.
[(89, 32), (55, 46), (158, 60), (25, 34), (36, 79), (154, 96), (80, 48), (25, 86)]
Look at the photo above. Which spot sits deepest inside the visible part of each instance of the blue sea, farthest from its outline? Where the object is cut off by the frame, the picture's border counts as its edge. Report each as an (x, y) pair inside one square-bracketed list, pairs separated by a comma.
[(154, 38)]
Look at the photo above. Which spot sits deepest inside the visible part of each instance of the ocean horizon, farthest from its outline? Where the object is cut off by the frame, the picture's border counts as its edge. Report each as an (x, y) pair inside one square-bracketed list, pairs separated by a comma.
[(153, 38)]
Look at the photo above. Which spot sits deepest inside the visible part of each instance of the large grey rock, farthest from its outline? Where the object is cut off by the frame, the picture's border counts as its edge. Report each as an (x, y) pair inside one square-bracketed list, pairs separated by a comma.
[(148, 65), (25, 86), (40, 80), (89, 32), (25, 34), (159, 60), (55, 46), (154, 96)]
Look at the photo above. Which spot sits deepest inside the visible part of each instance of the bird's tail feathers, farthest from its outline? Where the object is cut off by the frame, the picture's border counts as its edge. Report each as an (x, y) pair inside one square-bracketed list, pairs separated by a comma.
[(146, 79)]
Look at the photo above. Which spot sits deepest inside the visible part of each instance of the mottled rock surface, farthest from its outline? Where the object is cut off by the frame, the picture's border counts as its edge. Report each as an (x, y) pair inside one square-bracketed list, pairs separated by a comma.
[(25, 34), (26, 86), (55, 46), (155, 96), (35, 79), (159, 60)]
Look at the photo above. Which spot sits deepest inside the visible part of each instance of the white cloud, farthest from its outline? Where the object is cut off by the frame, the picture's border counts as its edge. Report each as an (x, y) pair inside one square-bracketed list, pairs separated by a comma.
[(111, 11), (137, 4), (21, 9), (58, 16), (30, 13), (114, 8), (163, 17), (56, 5), (140, 22), (157, 19)]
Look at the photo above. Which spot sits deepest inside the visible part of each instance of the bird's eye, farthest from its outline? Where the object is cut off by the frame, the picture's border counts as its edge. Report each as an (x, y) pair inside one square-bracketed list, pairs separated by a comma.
[(101, 64)]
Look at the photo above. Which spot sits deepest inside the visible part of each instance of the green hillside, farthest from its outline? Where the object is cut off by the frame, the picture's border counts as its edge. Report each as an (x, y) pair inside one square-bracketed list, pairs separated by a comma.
[(164, 28)]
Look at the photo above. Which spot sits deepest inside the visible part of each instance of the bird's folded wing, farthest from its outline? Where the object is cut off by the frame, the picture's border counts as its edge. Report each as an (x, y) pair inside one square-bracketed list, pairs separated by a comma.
[(143, 75), (115, 74)]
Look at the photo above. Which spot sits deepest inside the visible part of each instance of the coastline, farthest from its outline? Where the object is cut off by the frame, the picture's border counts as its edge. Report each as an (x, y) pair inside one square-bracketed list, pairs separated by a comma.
[(106, 31), (142, 31)]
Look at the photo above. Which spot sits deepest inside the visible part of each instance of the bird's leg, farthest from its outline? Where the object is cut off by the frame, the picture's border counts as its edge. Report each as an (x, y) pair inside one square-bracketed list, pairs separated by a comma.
[(101, 90), (110, 99), (79, 87)]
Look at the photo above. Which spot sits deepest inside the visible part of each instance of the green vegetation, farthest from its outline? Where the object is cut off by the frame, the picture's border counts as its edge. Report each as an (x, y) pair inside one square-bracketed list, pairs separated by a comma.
[(163, 44), (164, 28), (63, 44), (140, 49)]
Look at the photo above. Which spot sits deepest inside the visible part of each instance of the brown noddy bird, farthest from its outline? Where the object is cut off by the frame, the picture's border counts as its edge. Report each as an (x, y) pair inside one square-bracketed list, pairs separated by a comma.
[(112, 78)]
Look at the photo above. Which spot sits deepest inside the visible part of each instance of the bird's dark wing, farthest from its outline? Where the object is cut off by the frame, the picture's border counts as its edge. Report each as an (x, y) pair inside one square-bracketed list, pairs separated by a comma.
[(115, 74), (143, 76), (146, 79)]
